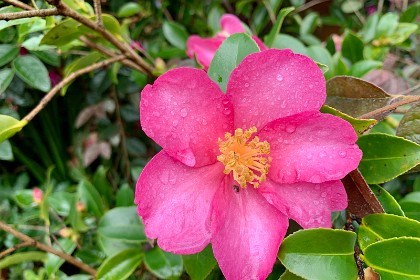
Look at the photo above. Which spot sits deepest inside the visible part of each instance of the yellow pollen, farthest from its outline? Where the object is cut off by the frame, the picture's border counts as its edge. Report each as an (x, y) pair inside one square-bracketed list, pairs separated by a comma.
[(247, 159)]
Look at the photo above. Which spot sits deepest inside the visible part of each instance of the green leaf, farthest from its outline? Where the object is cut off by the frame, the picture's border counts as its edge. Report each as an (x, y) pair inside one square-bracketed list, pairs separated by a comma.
[(62, 34), (8, 53), (387, 201), (119, 229), (411, 13), (24, 198), (309, 24), (361, 68), (284, 41), (404, 30), (360, 126), (125, 196), (269, 39), (232, 51), (175, 33), (378, 227), (395, 259), (18, 258), (351, 6), (37, 24), (6, 151), (320, 254), (54, 262), (287, 275), (200, 265), (320, 54), (386, 157), (411, 205), (102, 184), (91, 198), (6, 77), (48, 56), (163, 264), (10, 126), (32, 71), (120, 266), (352, 47), (369, 29), (387, 25), (129, 9)]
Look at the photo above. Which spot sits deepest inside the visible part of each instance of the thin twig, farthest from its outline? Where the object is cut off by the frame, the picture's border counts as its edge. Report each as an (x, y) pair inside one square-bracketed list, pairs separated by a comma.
[(14, 248), (405, 100), (48, 249), (47, 98), (19, 4), (29, 14), (416, 87), (98, 12), (307, 6)]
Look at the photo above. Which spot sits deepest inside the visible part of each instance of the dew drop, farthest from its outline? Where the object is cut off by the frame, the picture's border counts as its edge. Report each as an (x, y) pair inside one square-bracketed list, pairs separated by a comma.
[(290, 128), (226, 111), (299, 189), (175, 122), (343, 154), (279, 78), (323, 194), (246, 85), (184, 113), (317, 187)]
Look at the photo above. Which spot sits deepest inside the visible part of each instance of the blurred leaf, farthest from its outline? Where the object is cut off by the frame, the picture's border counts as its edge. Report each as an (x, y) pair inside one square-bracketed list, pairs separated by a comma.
[(120, 228), (361, 68), (284, 41), (200, 265), (9, 126), (309, 23), (287, 275), (129, 9), (102, 184), (387, 201), (6, 151), (320, 54), (378, 227), (351, 6), (369, 29), (175, 33), (120, 266), (163, 264), (61, 202), (31, 70), (8, 53), (91, 198), (394, 259), (320, 254), (386, 157), (37, 24), (80, 5), (213, 19), (6, 77), (125, 196), (63, 33), (411, 205), (232, 51), (352, 48), (54, 262), (409, 126), (387, 25), (269, 39), (18, 258), (411, 13), (403, 31), (75, 217), (340, 67), (8, 23), (24, 198)]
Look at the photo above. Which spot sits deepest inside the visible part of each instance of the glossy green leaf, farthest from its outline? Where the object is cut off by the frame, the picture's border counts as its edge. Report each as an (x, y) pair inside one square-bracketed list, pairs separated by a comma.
[(269, 40), (340, 67), (387, 25), (121, 265), (54, 262), (387, 201), (31, 70), (386, 157), (163, 264), (320, 54), (63, 33), (409, 126), (361, 68), (232, 51), (91, 198), (10, 126), (112, 25), (8, 53), (411, 205), (378, 227), (394, 259), (6, 77), (48, 56), (6, 152), (352, 47), (287, 275), (125, 196), (284, 41), (8, 23), (119, 229), (175, 33), (200, 265), (129, 9), (359, 125), (18, 258), (320, 254)]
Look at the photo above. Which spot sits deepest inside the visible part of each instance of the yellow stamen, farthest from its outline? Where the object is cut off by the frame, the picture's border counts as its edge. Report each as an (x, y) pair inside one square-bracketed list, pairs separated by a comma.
[(246, 159)]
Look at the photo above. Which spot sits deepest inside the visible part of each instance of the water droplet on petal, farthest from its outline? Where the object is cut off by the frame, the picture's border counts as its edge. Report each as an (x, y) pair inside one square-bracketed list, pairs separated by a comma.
[(290, 128), (299, 189), (184, 113), (226, 111), (246, 85), (175, 122), (323, 194), (343, 154), (279, 78)]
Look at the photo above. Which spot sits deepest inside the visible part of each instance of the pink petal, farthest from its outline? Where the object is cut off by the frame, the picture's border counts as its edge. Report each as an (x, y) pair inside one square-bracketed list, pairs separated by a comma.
[(231, 24), (273, 84), (247, 232), (203, 49), (185, 113), (311, 147), (175, 202), (310, 205)]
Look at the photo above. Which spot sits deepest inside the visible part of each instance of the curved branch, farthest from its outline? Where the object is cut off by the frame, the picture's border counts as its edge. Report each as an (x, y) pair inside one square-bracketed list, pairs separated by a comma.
[(389, 108), (19, 4), (30, 13)]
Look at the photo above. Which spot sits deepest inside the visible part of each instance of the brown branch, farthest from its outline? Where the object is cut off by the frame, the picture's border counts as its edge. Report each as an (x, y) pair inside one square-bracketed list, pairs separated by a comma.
[(98, 12), (19, 4), (14, 248), (47, 98), (389, 108), (30, 13), (46, 248), (307, 6)]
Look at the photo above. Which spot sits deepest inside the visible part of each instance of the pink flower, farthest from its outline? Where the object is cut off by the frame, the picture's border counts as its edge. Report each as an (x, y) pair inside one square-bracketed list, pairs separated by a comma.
[(37, 195), (216, 182), (205, 48)]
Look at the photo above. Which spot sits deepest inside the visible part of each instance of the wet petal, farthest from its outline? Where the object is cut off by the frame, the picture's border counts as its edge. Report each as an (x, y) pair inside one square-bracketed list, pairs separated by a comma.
[(247, 232), (185, 113), (203, 49), (273, 84), (310, 205), (174, 201), (311, 147), (231, 24)]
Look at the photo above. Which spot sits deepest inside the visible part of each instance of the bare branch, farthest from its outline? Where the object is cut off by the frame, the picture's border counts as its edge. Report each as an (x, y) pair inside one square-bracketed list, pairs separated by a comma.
[(98, 12), (30, 13), (47, 98), (14, 248), (389, 108), (28, 240), (19, 4)]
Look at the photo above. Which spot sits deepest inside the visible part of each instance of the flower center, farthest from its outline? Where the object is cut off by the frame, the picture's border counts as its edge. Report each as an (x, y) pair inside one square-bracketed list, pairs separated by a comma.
[(245, 158)]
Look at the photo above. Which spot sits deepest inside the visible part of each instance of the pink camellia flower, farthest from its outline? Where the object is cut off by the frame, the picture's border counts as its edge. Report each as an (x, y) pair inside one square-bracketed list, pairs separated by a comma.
[(205, 48), (234, 167), (37, 195)]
